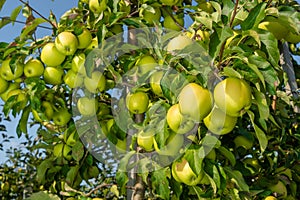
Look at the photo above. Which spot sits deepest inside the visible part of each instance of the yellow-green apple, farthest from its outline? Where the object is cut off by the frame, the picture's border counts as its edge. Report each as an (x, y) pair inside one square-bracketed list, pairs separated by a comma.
[(87, 106), (9, 74), (21, 97), (96, 83), (73, 79), (12, 86), (145, 64), (218, 122), (33, 68), (233, 96), (84, 38), (3, 85), (151, 16), (172, 146), (195, 101), (93, 44), (137, 103), (145, 139), (155, 79), (66, 43), (177, 122), (78, 64), (97, 6), (178, 43), (270, 198), (72, 139), (50, 56), (170, 23), (48, 109), (121, 145), (169, 2), (53, 75), (242, 141), (61, 117)]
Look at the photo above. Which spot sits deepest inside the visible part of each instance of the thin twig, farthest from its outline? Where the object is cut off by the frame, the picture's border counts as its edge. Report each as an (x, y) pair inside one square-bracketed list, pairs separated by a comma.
[(21, 22), (97, 188), (234, 13)]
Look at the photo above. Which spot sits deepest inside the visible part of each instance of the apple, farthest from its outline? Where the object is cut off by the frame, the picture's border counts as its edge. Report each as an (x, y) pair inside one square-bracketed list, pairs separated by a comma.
[(242, 141), (33, 68), (182, 172), (48, 109), (292, 37), (97, 6), (72, 139), (169, 2), (177, 122), (21, 97), (211, 154), (206, 6), (151, 16), (178, 43), (176, 25), (270, 198), (84, 39), (280, 189), (6, 71), (53, 75), (145, 140), (138, 102), (275, 26), (5, 186), (121, 146), (61, 149), (66, 43), (93, 44), (87, 106), (78, 62), (145, 64), (73, 79), (61, 117), (50, 56), (155, 79), (172, 146), (3, 85), (95, 83), (219, 123), (233, 96), (195, 101), (12, 86)]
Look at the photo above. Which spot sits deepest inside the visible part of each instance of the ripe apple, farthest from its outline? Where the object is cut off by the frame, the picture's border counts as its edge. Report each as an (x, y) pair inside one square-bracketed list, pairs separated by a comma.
[(95, 83), (48, 109), (177, 122), (182, 172), (78, 64), (270, 198), (3, 85), (172, 146), (279, 189), (50, 56), (33, 68), (242, 141), (97, 6), (275, 26), (169, 22), (150, 17), (138, 102), (169, 2), (145, 140), (145, 64), (66, 43), (178, 43), (53, 75), (87, 106), (195, 101), (12, 86), (233, 96), (7, 73), (218, 122), (155, 79), (61, 117), (93, 44), (73, 79), (84, 39)]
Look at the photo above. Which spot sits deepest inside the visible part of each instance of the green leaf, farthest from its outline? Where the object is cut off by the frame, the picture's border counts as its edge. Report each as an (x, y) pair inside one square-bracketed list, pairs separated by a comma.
[(256, 15), (31, 27), (211, 141), (78, 151), (24, 120), (238, 178), (262, 104), (261, 136), (228, 154), (160, 183), (217, 39), (254, 67), (15, 13), (271, 45), (4, 21), (195, 159), (43, 195), (72, 175), (42, 169), (2, 2), (198, 191)]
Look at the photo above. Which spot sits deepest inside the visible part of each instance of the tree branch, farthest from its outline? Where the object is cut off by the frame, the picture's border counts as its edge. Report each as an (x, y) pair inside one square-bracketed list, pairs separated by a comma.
[(21, 22)]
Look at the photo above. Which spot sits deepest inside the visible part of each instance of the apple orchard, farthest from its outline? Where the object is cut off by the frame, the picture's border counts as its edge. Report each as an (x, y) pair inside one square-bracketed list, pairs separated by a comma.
[(143, 99)]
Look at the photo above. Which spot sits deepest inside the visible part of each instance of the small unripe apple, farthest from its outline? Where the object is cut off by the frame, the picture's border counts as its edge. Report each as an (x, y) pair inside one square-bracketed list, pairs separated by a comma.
[(53, 75), (169, 2), (178, 43), (145, 140), (6, 72), (145, 64), (97, 6), (87, 106), (66, 43), (61, 117), (21, 97), (78, 64), (154, 81), (33, 68), (84, 39), (48, 109), (73, 79), (206, 6), (50, 56), (138, 102), (12, 86), (96, 83)]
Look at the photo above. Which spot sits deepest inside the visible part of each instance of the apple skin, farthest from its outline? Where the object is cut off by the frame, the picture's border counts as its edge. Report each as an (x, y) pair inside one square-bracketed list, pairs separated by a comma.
[(78, 64), (270, 198), (97, 7), (169, 2), (137, 103), (87, 106), (21, 97), (206, 6), (3, 85), (94, 44), (6, 72), (73, 79), (154, 81), (50, 56), (12, 86), (177, 122), (95, 83), (195, 101), (33, 68), (48, 109), (169, 23), (84, 39), (178, 43), (145, 64), (172, 146), (145, 140), (61, 117), (66, 43), (53, 75), (150, 17)]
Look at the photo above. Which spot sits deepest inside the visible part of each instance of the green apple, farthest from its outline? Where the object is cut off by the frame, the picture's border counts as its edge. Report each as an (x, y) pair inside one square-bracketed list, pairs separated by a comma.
[(177, 122), (12, 86), (280, 189), (50, 56), (61, 117), (176, 25), (7, 73), (219, 123), (73, 79), (48, 109), (66, 43), (182, 172), (211, 154), (84, 39), (233, 96), (93, 44), (96, 83), (121, 146), (87, 106), (242, 141), (3, 85), (292, 37), (151, 16), (72, 139), (21, 97), (53, 75), (178, 43), (97, 6), (138, 102), (155, 79), (78, 64), (145, 64), (169, 2), (195, 101), (206, 6), (270, 198), (145, 140), (33, 68), (172, 147)]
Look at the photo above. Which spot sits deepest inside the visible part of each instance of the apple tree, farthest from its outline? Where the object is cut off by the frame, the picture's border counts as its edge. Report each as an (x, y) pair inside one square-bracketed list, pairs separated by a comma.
[(142, 99)]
